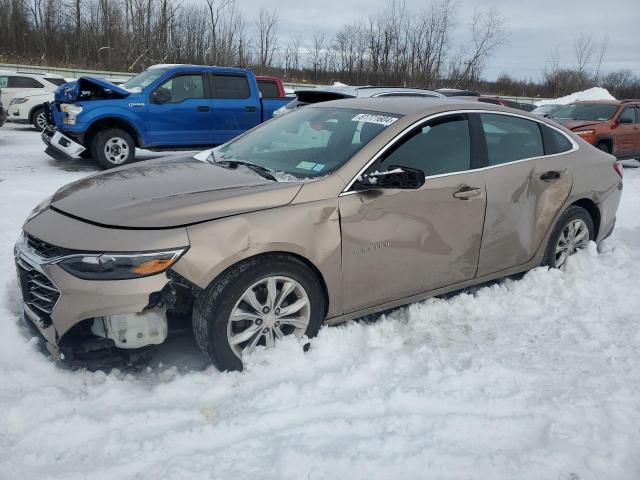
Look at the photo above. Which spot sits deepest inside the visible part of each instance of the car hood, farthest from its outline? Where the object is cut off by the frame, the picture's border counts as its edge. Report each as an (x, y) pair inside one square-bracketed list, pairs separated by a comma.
[(169, 192), (573, 124), (70, 92)]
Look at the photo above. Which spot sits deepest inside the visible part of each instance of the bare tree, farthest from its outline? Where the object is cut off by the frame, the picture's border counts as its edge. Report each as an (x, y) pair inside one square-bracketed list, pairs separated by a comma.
[(267, 36), (487, 33)]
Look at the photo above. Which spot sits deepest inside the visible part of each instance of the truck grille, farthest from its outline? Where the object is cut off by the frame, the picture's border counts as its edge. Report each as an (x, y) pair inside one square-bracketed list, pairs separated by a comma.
[(38, 292)]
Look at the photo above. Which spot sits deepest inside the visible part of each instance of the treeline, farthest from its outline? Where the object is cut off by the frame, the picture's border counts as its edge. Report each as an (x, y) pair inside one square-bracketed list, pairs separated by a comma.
[(393, 46)]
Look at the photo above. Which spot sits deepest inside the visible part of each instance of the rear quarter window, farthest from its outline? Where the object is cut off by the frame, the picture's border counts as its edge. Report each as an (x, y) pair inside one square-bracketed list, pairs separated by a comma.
[(554, 141), (56, 81)]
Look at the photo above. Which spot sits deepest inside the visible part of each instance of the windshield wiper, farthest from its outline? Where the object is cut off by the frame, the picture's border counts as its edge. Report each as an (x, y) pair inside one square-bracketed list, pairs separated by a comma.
[(262, 171)]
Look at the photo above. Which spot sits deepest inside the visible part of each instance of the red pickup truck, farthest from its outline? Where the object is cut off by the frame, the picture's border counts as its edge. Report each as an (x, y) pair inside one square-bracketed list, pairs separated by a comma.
[(270, 87)]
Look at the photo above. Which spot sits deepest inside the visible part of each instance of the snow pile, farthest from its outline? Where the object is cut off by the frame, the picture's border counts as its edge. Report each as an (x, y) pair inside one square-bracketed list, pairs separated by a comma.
[(595, 93), (534, 378)]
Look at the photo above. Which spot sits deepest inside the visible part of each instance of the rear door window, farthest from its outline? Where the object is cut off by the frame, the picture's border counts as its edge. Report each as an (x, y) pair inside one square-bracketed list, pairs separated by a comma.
[(24, 82), (231, 86), (511, 138), (441, 146)]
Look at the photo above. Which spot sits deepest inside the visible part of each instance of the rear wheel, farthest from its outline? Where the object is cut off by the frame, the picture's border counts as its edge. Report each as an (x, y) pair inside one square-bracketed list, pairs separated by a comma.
[(38, 119), (256, 303), (604, 147), (572, 232), (113, 147)]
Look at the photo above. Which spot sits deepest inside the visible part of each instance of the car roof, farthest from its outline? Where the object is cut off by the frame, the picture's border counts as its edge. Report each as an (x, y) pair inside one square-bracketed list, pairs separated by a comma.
[(410, 106)]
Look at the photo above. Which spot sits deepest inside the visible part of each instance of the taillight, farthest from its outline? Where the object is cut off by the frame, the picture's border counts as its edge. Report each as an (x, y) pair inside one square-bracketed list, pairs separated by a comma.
[(617, 166)]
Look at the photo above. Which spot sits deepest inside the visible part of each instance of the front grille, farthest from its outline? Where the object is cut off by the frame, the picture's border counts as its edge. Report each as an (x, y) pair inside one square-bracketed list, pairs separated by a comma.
[(38, 292), (44, 249)]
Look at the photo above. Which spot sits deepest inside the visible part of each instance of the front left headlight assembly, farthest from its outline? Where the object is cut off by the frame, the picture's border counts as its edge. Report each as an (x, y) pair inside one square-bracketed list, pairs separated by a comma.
[(120, 266), (18, 101), (71, 113)]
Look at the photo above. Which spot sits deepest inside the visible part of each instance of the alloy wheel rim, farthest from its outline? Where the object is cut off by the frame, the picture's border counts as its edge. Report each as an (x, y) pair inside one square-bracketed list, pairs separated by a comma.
[(116, 150), (268, 310), (41, 121), (574, 237)]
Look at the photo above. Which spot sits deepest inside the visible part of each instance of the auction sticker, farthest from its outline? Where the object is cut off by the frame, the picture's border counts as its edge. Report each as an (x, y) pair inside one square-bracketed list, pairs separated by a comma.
[(372, 118)]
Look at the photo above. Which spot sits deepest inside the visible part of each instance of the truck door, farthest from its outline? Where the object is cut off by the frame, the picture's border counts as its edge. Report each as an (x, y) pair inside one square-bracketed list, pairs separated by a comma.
[(236, 106), (627, 133), (180, 112)]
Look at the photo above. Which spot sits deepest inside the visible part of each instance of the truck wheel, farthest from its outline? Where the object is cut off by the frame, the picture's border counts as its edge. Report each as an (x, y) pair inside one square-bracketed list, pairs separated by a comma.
[(255, 303), (113, 147), (38, 119)]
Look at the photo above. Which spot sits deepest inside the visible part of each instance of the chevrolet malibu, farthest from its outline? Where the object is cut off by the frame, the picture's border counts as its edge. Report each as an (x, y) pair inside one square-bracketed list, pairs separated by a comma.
[(335, 211)]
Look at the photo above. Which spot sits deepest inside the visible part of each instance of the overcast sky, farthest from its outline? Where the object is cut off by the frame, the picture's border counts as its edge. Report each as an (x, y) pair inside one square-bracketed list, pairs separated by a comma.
[(536, 27)]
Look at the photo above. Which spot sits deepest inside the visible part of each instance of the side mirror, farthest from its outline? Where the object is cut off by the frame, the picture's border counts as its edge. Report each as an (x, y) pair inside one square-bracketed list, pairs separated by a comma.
[(161, 95), (403, 178), (625, 120)]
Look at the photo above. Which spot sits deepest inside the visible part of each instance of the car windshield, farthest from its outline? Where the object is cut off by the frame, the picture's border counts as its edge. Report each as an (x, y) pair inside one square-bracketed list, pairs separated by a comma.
[(308, 142), (144, 79), (585, 111)]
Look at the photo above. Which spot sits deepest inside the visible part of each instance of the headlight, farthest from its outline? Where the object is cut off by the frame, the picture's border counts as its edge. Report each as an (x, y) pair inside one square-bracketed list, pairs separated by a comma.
[(70, 113), (585, 132), (18, 101), (41, 207), (120, 266)]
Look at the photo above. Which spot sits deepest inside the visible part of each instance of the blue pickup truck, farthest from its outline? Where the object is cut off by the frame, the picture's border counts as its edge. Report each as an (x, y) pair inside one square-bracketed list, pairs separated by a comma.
[(166, 107)]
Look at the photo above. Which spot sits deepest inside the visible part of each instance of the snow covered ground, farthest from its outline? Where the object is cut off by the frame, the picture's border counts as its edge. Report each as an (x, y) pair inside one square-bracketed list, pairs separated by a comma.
[(536, 378)]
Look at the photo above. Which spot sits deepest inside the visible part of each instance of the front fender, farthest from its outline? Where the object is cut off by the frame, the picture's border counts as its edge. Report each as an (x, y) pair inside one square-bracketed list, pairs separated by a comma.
[(309, 230), (90, 117)]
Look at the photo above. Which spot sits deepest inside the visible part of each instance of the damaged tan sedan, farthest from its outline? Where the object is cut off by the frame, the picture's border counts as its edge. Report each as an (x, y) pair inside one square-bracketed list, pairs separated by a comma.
[(329, 213)]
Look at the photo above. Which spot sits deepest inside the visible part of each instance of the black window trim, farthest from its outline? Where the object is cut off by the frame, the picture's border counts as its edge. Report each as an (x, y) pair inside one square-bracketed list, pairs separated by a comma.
[(347, 189), (205, 86)]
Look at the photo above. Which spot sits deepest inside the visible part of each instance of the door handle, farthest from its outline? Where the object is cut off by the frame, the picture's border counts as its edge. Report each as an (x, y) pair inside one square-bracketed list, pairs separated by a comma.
[(203, 108), (249, 109), (550, 175), (465, 193)]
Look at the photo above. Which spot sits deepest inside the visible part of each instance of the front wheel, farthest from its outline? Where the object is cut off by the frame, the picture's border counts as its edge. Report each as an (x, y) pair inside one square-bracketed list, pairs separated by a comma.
[(572, 232), (113, 147), (256, 303), (39, 119)]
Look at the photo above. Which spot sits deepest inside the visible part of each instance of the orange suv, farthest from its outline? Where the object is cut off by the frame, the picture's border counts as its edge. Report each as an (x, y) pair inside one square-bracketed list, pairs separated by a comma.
[(611, 125)]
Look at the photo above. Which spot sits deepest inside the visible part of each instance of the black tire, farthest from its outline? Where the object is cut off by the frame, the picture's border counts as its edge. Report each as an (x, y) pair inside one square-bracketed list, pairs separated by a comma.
[(572, 213), (39, 111), (111, 135), (214, 305), (604, 147)]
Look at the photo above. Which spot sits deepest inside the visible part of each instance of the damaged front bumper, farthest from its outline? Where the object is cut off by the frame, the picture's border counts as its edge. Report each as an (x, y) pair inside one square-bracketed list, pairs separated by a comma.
[(59, 146), (76, 318)]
